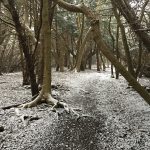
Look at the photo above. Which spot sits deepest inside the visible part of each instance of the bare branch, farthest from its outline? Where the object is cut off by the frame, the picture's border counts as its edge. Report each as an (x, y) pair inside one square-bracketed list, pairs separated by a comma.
[(76, 8), (143, 10), (68, 6)]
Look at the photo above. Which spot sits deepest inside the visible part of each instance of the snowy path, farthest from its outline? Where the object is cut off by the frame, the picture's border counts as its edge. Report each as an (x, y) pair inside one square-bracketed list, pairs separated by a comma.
[(121, 116), (112, 118), (125, 115)]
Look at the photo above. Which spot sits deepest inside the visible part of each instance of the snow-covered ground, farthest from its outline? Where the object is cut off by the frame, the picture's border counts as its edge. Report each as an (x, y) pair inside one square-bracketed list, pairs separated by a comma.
[(112, 117)]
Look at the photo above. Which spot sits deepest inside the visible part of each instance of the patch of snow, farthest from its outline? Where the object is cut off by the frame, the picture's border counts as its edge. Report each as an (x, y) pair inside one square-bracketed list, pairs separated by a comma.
[(111, 116)]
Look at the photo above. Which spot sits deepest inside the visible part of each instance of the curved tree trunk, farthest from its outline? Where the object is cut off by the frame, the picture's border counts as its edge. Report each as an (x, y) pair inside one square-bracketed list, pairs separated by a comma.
[(106, 51), (129, 14), (104, 48)]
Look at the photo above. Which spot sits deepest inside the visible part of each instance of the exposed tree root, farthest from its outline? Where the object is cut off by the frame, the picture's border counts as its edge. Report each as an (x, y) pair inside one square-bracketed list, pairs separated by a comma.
[(25, 118), (41, 98), (2, 82), (16, 105), (33, 103), (57, 106), (46, 98), (11, 106)]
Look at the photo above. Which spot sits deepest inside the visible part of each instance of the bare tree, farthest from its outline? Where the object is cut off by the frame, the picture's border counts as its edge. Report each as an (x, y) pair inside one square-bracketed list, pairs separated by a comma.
[(103, 47), (131, 17), (45, 93), (23, 42)]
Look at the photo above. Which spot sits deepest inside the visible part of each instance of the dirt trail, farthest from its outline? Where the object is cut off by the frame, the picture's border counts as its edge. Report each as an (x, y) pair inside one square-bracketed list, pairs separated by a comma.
[(120, 117), (111, 117)]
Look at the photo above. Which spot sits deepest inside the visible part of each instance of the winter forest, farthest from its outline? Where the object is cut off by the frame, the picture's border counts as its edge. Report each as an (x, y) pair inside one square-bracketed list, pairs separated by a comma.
[(74, 74)]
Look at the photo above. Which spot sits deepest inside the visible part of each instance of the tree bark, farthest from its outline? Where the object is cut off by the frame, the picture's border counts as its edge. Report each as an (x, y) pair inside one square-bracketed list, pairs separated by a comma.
[(22, 37), (129, 14), (45, 93), (104, 48), (97, 59), (117, 50), (124, 41), (81, 50)]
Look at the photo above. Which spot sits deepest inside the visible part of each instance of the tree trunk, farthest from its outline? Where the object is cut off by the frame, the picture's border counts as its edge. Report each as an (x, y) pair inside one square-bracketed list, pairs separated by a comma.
[(103, 62), (139, 61), (23, 42), (113, 46), (106, 51), (1, 48), (124, 40), (1, 59), (104, 48), (45, 93), (112, 71), (41, 61), (117, 50), (129, 14), (81, 50), (97, 59), (90, 63)]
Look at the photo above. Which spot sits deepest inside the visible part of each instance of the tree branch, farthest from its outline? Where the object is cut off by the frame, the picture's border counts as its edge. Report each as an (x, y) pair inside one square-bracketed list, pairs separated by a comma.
[(76, 8), (68, 6)]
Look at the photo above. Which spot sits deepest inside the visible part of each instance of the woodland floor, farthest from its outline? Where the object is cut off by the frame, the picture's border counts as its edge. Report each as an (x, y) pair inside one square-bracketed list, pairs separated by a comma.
[(112, 116)]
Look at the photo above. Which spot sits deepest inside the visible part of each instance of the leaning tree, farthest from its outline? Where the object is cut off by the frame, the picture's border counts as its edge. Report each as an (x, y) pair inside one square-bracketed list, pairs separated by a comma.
[(133, 20), (94, 31), (103, 46)]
